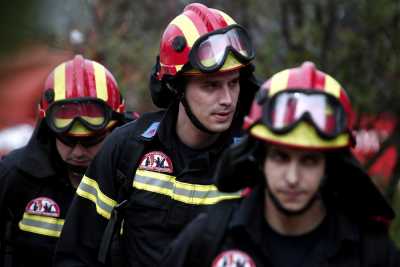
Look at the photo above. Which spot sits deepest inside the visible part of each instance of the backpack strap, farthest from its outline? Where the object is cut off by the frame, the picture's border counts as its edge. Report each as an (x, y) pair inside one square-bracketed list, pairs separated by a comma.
[(206, 245), (129, 163)]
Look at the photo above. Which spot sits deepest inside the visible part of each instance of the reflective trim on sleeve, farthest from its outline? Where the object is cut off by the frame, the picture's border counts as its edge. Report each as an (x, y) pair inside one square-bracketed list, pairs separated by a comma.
[(195, 194), (89, 189), (48, 226)]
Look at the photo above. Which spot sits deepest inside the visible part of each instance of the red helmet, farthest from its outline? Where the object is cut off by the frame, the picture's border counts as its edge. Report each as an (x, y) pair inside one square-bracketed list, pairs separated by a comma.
[(302, 107), (203, 39), (84, 91)]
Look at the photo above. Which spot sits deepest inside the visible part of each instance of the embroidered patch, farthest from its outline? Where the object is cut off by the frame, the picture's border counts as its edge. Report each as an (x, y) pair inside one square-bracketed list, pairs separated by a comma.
[(151, 131), (43, 206), (233, 258), (156, 161)]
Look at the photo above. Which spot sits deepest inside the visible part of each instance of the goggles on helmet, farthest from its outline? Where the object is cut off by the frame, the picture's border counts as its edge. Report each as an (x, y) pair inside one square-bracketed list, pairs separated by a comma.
[(286, 109), (86, 141), (210, 51), (94, 114)]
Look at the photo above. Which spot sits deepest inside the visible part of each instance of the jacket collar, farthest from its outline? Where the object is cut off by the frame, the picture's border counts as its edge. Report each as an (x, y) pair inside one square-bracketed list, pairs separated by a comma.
[(250, 219), (39, 157)]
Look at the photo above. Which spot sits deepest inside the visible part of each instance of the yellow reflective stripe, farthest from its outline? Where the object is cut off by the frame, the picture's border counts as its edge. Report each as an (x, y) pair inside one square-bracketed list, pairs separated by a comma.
[(278, 82), (226, 17), (59, 82), (172, 188), (89, 189), (37, 224), (303, 135), (189, 30), (332, 86), (101, 81)]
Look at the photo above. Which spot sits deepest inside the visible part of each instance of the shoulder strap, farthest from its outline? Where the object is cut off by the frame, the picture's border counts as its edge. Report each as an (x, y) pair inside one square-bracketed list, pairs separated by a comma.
[(127, 164), (206, 245)]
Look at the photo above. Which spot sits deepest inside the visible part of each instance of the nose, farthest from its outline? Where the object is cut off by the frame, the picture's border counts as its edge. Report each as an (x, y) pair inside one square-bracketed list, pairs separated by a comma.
[(292, 174), (78, 150), (226, 97)]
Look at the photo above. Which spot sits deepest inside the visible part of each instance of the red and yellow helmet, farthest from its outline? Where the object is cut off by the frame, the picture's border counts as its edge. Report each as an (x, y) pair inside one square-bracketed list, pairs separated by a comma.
[(302, 107), (80, 97), (202, 40)]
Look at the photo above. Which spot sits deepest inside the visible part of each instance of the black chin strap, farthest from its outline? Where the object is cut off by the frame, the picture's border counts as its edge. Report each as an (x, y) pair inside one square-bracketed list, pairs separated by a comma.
[(287, 212), (80, 170), (193, 118)]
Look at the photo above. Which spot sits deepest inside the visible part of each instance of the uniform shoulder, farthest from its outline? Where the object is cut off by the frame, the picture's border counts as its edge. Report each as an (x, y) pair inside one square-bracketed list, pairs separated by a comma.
[(139, 126), (10, 160)]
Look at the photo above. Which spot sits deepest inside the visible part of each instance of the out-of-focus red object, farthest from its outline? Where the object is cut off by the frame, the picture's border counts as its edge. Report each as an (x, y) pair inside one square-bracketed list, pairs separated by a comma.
[(373, 131), (22, 77)]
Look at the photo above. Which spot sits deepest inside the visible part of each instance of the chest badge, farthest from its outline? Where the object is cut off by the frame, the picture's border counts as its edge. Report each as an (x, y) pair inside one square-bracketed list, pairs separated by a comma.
[(233, 258), (43, 206), (156, 161)]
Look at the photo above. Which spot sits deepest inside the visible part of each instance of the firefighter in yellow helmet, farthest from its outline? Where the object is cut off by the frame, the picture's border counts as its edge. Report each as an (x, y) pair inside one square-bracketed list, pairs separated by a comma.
[(203, 81), (309, 203), (80, 105)]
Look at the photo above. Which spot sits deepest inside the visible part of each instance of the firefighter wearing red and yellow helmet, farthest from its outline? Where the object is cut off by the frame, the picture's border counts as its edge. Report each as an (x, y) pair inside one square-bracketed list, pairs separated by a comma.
[(203, 82), (80, 105), (308, 201)]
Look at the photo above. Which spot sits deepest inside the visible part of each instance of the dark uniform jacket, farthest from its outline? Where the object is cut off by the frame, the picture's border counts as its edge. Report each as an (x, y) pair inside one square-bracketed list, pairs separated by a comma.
[(244, 242), (35, 194), (170, 186)]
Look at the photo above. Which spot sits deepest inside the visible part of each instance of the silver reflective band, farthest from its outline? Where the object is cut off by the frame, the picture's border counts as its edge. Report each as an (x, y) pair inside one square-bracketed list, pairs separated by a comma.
[(41, 225), (195, 194), (89, 189)]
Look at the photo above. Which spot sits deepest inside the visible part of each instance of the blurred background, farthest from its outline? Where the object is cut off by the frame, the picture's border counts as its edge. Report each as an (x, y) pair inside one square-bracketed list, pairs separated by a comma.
[(356, 41)]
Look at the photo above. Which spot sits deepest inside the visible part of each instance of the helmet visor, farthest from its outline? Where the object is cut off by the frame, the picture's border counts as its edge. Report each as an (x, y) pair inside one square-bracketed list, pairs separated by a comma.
[(209, 52), (286, 109), (93, 114)]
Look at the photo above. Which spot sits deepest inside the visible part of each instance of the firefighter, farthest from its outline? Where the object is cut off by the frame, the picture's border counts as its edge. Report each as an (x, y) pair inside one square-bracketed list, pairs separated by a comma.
[(156, 174), (309, 203), (80, 105)]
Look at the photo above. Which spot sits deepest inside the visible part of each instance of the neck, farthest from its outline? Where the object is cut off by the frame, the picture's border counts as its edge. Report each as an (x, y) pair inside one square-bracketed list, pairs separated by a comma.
[(74, 178), (189, 134), (296, 224)]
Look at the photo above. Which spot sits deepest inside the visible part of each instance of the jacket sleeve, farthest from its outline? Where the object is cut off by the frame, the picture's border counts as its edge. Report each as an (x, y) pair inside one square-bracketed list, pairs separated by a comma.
[(181, 252), (90, 209)]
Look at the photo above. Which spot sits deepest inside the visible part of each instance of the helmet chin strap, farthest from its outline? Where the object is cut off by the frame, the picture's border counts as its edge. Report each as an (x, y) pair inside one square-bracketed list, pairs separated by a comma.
[(193, 118), (290, 213), (80, 170)]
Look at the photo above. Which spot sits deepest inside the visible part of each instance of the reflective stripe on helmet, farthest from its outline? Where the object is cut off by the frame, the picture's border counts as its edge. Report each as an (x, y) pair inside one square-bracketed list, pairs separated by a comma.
[(59, 82), (101, 81), (289, 79), (189, 30), (41, 225)]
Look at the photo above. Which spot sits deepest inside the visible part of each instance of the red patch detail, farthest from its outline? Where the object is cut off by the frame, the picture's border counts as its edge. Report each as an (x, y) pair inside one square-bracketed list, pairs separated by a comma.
[(43, 206), (233, 258), (156, 161)]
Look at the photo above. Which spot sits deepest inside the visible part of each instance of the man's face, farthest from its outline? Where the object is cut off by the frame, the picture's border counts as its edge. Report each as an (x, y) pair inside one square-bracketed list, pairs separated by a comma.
[(77, 155), (293, 176), (213, 99)]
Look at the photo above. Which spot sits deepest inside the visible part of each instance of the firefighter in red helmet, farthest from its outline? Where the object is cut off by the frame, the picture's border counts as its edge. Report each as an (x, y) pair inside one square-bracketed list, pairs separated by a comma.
[(309, 203), (80, 105), (203, 80)]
